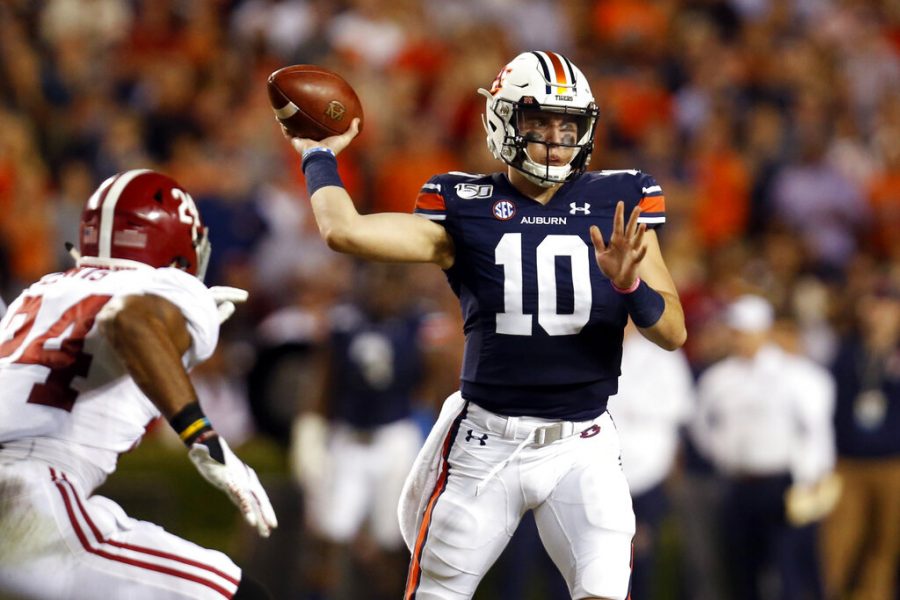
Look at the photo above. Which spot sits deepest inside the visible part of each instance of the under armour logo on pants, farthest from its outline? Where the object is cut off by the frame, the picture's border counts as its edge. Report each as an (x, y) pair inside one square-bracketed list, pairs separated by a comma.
[(482, 440)]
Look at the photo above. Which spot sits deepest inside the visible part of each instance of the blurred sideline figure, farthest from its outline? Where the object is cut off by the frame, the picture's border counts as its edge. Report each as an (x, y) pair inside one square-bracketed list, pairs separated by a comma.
[(861, 538), (655, 398), (764, 420), (88, 358), (353, 453)]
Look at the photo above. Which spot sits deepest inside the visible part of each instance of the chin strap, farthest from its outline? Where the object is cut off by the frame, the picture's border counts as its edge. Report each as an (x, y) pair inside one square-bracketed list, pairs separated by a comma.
[(538, 180), (539, 173)]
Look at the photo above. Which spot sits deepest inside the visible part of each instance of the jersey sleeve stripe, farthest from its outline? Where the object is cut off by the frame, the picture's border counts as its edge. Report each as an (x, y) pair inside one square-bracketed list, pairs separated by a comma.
[(652, 218), (431, 216), (653, 204), (430, 201), (653, 189), (607, 172)]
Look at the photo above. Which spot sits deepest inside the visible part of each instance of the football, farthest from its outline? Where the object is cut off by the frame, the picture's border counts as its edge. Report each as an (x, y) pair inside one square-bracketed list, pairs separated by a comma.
[(313, 102)]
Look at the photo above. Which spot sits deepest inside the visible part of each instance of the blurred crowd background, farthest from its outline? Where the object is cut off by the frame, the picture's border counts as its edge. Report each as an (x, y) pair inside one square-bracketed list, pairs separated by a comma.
[(773, 127)]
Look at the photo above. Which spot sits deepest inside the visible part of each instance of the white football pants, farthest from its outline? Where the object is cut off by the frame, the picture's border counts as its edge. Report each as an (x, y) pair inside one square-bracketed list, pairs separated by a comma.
[(494, 469)]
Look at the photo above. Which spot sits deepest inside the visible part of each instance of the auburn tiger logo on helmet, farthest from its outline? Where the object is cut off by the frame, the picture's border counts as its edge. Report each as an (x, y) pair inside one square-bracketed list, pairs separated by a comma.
[(142, 216), (539, 82)]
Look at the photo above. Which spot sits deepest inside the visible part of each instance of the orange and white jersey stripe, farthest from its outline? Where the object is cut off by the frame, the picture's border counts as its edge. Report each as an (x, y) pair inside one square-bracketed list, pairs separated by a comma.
[(430, 202)]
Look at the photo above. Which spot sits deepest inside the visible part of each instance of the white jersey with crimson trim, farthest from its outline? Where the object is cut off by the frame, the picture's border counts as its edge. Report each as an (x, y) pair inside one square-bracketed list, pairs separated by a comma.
[(65, 397)]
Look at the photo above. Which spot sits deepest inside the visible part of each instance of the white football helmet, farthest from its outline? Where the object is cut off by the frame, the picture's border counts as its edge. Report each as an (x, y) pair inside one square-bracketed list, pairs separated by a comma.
[(539, 82)]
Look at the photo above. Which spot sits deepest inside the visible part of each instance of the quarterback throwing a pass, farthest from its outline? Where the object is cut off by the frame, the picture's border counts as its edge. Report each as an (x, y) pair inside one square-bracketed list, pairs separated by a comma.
[(88, 358), (547, 268)]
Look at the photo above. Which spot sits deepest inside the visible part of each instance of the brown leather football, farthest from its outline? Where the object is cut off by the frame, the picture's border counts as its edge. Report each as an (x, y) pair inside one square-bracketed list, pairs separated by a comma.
[(313, 102)]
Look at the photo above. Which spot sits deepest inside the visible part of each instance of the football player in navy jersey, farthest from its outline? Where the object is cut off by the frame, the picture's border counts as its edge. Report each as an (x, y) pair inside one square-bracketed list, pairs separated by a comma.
[(352, 452), (547, 269)]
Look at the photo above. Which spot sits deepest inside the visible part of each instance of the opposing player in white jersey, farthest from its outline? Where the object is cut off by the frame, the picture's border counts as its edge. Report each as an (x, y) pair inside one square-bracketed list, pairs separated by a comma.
[(88, 358), (548, 270)]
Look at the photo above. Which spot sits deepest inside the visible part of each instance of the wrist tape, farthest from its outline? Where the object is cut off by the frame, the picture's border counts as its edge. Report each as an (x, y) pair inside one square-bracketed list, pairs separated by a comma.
[(193, 427), (644, 304), (320, 168)]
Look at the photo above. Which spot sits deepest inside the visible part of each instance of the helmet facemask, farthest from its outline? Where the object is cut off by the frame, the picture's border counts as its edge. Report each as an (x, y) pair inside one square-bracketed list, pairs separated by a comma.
[(203, 249), (535, 87)]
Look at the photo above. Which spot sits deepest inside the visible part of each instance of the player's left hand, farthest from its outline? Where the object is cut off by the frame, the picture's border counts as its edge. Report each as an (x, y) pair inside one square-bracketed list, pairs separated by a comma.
[(619, 259), (240, 484), (226, 297)]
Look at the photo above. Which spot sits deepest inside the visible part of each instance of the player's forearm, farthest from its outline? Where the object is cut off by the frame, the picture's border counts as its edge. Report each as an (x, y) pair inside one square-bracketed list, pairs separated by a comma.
[(151, 358), (669, 331), (335, 215)]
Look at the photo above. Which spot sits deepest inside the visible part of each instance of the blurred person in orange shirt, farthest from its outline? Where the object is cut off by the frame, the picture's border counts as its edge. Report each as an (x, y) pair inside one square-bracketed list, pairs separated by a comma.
[(723, 185), (883, 192), (23, 194), (630, 24), (419, 149)]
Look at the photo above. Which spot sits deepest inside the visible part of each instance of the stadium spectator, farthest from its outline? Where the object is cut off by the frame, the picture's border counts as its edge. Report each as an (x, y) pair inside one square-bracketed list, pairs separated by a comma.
[(861, 547), (764, 420)]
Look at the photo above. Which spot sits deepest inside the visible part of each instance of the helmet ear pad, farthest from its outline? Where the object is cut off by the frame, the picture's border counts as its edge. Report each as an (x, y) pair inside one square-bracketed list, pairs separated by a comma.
[(142, 216), (538, 81)]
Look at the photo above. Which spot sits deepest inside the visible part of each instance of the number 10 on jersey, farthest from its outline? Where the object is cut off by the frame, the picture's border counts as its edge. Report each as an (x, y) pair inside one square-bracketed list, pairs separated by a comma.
[(513, 320)]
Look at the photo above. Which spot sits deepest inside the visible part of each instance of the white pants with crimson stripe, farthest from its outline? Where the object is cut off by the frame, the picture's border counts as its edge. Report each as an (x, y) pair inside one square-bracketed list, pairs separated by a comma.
[(574, 485), (57, 544)]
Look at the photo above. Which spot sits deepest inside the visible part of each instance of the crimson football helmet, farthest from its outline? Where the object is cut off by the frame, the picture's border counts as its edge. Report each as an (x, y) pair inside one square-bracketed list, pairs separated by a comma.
[(142, 216), (533, 86)]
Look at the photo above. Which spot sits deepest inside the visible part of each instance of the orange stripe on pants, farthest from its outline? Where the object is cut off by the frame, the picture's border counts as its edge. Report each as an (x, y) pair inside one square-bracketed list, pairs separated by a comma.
[(415, 567)]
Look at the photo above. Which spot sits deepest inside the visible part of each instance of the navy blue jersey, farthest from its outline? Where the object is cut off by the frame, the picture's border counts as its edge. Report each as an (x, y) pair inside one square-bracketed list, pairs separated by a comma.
[(376, 366), (543, 325), (858, 438)]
